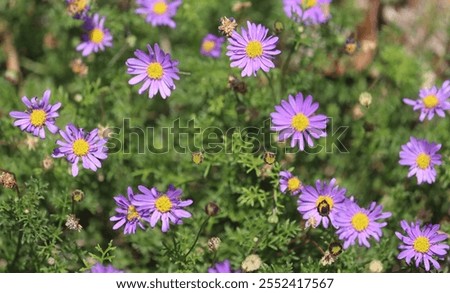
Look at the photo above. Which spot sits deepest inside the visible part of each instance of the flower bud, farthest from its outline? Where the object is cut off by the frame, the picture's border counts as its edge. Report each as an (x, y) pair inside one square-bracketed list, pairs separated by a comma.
[(212, 209), (77, 195)]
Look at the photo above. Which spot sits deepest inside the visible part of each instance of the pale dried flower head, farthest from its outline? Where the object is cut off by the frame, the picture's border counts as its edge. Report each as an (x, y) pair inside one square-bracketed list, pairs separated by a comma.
[(78, 98), (311, 223), (239, 6), (7, 180), (376, 266), (214, 244), (365, 99), (51, 261), (251, 263), (104, 131), (47, 163), (72, 223), (31, 142), (357, 112), (327, 259), (78, 67), (227, 26)]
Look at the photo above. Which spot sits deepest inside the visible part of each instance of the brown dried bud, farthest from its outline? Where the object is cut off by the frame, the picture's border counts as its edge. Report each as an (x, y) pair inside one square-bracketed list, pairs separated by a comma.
[(77, 195), (78, 67), (212, 209), (72, 223), (237, 85), (7, 180), (50, 41), (47, 163), (214, 244), (227, 26)]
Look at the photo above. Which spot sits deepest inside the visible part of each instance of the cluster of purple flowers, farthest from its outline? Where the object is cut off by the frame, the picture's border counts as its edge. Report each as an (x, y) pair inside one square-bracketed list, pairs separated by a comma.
[(152, 206), (77, 145)]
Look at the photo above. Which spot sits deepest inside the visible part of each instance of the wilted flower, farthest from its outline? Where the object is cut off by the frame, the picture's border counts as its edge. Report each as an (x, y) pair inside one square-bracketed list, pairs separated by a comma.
[(237, 85), (96, 38), (214, 244), (365, 99), (376, 266), (422, 244), (73, 223), (78, 144), (251, 263), (47, 163), (39, 113), (156, 69), (165, 206), (252, 50), (227, 26), (79, 67), (7, 180), (159, 12), (421, 156), (295, 118)]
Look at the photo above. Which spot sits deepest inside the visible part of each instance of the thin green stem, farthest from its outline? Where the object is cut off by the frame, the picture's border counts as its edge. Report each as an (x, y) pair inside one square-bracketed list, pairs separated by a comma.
[(198, 236), (271, 85)]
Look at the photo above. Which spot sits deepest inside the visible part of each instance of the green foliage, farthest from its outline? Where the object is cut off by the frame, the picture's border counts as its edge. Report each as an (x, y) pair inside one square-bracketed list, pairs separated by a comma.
[(231, 129)]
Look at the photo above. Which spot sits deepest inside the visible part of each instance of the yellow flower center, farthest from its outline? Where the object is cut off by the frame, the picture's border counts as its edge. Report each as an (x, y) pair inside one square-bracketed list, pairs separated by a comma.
[(300, 122), (132, 213), (430, 101), (254, 49), (208, 46), (38, 117), (155, 70), (96, 35), (360, 221), (326, 198), (421, 244), (163, 204), (80, 147), (423, 161), (309, 3), (160, 7), (80, 5), (294, 184)]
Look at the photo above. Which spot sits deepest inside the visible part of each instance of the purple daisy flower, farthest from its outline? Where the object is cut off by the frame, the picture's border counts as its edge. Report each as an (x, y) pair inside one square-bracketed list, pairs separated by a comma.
[(212, 46), (159, 12), (99, 268), (167, 207), (221, 267), (422, 244), (432, 101), (311, 202), (359, 223), (290, 183), (88, 147), (421, 156), (39, 113), (97, 37), (127, 214), (156, 69), (296, 118), (309, 12), (252, 50), (78, 8)]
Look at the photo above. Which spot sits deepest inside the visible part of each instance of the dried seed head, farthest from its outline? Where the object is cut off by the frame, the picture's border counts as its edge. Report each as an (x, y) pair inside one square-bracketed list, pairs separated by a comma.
[(104, 131), (7, 180), (251, 263), (365, 99), (312, 222), (51, 261), (376, 266), (77, 195), (72, 223), (227, 26), (212, 209), (47, 163), (214, 244), (327, 259), (239, 6), (31, 142), (237, 85), (78, 67)]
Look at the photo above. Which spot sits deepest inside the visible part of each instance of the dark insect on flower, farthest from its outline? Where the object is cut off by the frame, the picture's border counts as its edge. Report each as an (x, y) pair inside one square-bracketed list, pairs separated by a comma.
[(351, 45), (323, 208), (237, 85), (269, 158), (335, 248), (197, 158)]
